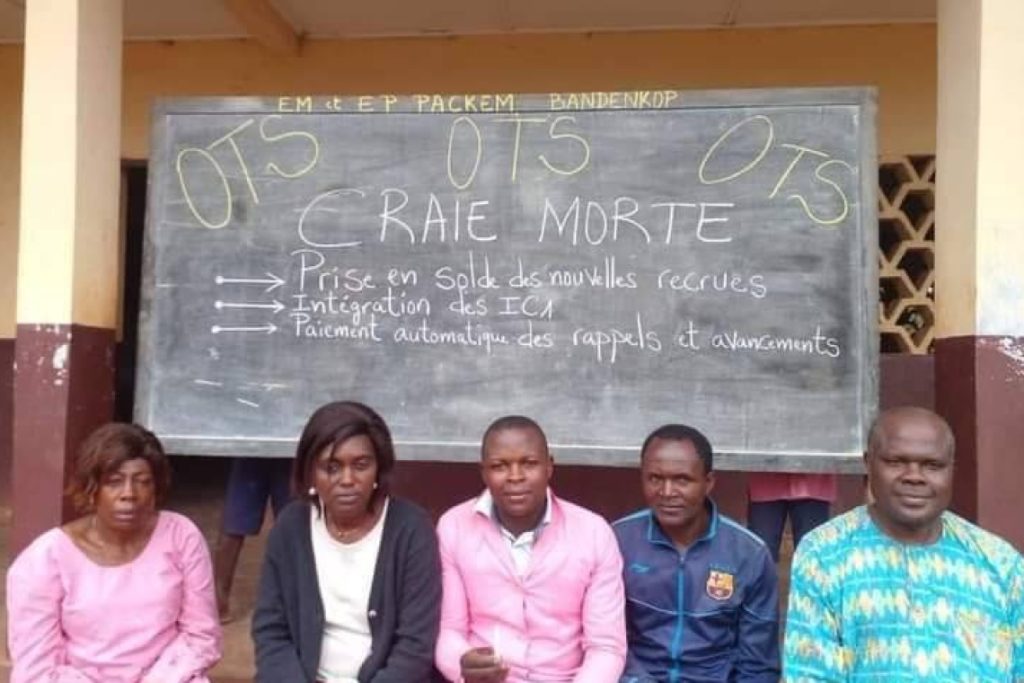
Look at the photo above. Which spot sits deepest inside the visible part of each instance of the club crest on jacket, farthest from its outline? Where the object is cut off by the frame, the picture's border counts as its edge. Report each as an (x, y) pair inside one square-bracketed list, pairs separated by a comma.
[(720, 584)]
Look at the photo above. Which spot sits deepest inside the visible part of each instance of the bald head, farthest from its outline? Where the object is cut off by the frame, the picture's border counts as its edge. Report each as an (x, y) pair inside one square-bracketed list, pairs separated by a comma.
[(891, 421)]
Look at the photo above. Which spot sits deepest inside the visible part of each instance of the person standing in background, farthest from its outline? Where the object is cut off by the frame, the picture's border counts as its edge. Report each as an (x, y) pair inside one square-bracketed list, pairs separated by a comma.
[(804, 499), (251, 483)]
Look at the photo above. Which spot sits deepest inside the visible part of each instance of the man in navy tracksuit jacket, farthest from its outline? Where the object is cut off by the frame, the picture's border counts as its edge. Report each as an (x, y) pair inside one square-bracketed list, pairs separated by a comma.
[(701, 590)]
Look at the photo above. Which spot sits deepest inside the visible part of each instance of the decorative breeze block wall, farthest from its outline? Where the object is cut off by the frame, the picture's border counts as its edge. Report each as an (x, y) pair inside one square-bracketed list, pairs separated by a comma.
[(906, 255)]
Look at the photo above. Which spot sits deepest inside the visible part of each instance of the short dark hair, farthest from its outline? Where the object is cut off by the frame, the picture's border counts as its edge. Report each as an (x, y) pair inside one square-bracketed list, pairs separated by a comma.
[(332, 424), (678, 432), (511, 422), (105, 450)]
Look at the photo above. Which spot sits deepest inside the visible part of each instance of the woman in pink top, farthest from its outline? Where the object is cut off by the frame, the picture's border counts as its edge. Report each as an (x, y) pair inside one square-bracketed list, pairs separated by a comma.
[(123, 594)]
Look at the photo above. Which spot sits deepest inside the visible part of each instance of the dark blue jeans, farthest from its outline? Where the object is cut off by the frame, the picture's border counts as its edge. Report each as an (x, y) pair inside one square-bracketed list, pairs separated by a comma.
[(768, 519)]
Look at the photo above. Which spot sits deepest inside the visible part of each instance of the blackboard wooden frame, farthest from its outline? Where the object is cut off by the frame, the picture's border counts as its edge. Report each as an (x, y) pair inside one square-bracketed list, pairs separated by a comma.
[(865, 336)]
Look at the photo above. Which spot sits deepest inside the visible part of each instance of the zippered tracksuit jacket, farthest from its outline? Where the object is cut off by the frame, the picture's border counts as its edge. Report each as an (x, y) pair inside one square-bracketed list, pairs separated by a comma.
[(706, 613)]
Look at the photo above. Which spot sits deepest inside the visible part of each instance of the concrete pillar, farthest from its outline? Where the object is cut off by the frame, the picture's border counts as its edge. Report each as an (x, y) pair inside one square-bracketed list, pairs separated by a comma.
[(979, 249), (67, 248)]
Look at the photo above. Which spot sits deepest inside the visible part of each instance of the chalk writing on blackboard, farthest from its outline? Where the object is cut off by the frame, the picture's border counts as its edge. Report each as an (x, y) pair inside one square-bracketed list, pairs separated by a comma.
[(607, 261)]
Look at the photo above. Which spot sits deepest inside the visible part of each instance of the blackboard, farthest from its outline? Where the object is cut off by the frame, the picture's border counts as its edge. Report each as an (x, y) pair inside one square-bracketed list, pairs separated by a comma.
[(602, 262)]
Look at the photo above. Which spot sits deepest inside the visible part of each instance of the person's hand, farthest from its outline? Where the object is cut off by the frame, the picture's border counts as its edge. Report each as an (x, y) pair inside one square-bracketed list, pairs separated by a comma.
[(482, 665)]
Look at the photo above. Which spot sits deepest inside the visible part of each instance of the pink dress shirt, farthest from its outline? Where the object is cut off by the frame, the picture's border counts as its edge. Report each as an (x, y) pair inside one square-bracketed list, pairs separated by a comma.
[(768, 486), (562, 620), (153, 619)]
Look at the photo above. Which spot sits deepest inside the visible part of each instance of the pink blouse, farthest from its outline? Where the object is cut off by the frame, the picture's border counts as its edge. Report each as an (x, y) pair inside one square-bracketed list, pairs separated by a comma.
[(768, 486), (151, 620)]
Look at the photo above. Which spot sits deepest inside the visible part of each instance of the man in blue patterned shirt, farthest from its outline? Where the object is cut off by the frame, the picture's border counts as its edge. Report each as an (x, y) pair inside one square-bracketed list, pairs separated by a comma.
[(902, 589)]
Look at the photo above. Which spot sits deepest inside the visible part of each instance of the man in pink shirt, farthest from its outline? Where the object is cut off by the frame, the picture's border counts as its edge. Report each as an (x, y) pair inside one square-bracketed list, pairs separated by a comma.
[(532, 584)]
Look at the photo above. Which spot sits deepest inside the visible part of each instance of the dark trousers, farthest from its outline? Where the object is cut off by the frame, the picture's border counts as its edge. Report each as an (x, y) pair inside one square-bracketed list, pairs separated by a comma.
[(768, 519)]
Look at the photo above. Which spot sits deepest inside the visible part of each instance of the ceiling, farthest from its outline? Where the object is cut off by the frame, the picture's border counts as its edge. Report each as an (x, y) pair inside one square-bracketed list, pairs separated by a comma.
[(211, 19)]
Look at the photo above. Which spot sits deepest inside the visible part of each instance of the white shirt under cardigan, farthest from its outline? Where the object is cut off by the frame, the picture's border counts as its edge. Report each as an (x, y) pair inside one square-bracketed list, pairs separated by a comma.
[(344, 573)]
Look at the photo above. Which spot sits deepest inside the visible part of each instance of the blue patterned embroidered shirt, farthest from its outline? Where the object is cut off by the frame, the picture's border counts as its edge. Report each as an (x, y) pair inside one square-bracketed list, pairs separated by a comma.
[(865, 607)]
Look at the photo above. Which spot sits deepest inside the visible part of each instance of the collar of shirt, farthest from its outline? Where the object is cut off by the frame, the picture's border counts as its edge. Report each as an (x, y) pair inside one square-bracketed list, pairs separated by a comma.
[(521, 546), (485, 506)]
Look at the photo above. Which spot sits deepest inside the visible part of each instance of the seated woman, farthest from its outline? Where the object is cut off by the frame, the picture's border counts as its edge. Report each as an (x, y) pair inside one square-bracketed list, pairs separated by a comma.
[(351, 582), (123, 593)]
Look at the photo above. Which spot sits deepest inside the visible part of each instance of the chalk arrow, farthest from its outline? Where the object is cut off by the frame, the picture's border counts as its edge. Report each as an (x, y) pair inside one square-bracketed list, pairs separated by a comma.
[(272, 280), (276, 307), (269, 328)]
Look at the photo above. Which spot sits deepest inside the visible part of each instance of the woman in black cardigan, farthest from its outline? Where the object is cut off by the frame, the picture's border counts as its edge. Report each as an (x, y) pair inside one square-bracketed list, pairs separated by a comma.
[(351, 581)]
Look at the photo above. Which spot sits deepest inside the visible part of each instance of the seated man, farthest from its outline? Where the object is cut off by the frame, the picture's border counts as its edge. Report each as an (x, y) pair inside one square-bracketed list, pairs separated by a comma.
[(701, 592), (532, 584), (902, 589)]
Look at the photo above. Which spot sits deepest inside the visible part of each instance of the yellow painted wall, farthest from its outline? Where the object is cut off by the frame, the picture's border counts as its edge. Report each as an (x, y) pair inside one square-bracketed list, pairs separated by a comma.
[(1000, 224), (899, 60), (11, 63), (67, 247), (979, 278)]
